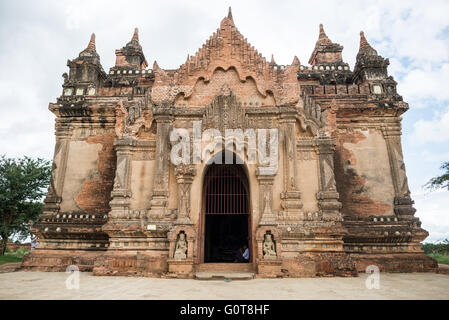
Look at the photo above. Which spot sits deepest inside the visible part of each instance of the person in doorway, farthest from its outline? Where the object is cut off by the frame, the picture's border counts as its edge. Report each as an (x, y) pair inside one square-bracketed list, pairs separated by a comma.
[(245, 254), (238, 255), (242, 254)]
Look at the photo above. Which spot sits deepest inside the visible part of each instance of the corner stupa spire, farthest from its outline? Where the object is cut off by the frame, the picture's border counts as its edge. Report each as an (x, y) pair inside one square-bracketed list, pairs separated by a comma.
[(131, 55), (91, 46), (365, 47), (323, 39), (135, 35), (325, 52), (369, 65), (91, 50)]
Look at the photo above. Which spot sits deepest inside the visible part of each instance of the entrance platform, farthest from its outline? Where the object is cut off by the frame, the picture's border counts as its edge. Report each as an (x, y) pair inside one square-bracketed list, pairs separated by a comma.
[(224, 275), (220, 271)]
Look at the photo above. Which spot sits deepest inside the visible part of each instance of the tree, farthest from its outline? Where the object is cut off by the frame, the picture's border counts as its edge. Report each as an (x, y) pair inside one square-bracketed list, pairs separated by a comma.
[(440, 182), (23, 184)]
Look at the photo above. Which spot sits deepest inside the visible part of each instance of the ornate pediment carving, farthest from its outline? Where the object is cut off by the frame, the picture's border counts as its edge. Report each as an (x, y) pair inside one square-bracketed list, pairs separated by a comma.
[(225, 112), (227, 49)]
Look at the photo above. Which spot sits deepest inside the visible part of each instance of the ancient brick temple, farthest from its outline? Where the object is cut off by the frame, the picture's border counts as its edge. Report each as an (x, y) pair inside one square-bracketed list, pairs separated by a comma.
[(337, 202)]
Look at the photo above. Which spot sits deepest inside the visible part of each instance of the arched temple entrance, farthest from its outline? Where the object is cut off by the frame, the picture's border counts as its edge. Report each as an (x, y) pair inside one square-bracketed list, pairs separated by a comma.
[(226, 208)]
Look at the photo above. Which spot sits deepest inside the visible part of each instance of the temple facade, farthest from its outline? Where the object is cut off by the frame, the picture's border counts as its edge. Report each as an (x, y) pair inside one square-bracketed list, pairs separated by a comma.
[(168, 173)]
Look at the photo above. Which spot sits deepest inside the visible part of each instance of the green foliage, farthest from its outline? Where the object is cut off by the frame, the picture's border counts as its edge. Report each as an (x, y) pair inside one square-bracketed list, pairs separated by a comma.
[(23, 184), (437, 248), (440, 182), (440, 258), (11, 256)]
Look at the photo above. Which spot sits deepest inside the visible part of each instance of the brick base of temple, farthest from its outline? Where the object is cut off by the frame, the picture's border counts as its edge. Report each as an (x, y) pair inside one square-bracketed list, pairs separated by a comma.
[(130, 264), (319, 264), (304, 266), (402, 262), (59, 260)]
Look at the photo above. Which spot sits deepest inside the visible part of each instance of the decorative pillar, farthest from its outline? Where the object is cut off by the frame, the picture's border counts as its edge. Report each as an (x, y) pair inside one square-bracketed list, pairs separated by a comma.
[(54, 195), (159, 201), (327, 196), (291, 196), (184, 178), (403, 204), (121, 193), (268, 218)]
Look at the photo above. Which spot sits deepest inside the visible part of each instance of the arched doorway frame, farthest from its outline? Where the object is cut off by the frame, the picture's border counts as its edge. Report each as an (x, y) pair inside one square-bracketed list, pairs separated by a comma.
[(202, 217)]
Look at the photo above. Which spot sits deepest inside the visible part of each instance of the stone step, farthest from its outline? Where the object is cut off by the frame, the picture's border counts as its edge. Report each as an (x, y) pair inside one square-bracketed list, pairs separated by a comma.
[(225, 267), (224, 275)]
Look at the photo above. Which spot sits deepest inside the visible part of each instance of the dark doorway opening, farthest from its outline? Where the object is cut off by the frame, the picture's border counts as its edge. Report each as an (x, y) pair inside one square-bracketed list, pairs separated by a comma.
[(227, 212)]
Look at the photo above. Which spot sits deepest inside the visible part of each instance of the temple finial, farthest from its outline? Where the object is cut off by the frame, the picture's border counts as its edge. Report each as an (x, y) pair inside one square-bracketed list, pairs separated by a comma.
[(230, 14), (91, 46), (296, 61), (323, 38), (136, 35), (272, 60), (365, 47), (322, 33), (363, 41), (155, 65)]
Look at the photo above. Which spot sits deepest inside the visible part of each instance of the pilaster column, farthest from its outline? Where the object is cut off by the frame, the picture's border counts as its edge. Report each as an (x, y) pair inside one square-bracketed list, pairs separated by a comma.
[(403, 204), (327, 196), (159, 201), (121, 193), (268, 218), (60, 157), (291, 196), (184, 178)]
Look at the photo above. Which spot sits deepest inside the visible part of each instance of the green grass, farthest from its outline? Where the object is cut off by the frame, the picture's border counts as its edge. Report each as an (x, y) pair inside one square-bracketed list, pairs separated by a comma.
[(13, 256), (441, 258), (6, 258)]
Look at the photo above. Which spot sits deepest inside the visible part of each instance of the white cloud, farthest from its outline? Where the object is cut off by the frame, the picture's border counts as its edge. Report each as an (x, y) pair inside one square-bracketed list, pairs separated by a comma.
[(432, 211), (433, 130), (426, 83)]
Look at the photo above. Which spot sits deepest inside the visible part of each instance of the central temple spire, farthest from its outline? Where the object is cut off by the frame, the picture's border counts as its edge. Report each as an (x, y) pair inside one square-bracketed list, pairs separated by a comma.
[(230, 15)]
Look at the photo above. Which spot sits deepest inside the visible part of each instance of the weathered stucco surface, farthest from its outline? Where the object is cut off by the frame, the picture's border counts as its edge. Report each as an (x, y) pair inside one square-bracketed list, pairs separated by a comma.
[(141, 183), (369, 161), (81, 166)]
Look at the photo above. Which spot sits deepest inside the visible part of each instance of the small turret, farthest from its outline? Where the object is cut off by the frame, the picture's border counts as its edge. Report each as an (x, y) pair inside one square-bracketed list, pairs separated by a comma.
[(131, 56), (86, 72), (326, 52), (370, 66)]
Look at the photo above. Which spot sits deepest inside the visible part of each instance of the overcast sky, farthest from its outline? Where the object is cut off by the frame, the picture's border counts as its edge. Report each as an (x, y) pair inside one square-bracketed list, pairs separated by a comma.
[(37, 38)]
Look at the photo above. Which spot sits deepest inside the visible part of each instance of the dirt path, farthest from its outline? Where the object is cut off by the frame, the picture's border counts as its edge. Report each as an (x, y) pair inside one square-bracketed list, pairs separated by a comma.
[(41, 285), (10, 267)]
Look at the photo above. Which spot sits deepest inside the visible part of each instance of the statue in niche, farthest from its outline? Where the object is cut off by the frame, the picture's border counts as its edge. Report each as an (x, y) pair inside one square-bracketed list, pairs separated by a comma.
[(181, 247), (269, 248)]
